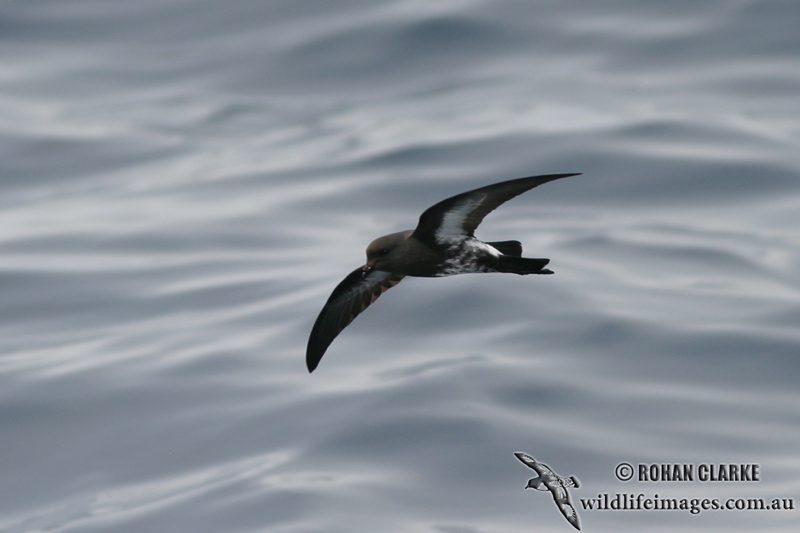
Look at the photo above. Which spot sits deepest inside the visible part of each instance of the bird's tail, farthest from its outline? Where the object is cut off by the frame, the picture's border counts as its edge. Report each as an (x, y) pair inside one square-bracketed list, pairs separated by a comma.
[(507, 247), (522, 265)]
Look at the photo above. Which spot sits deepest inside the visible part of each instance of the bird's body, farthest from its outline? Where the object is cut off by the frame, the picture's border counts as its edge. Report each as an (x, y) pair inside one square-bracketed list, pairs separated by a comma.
[(443, 244), (410, 256)]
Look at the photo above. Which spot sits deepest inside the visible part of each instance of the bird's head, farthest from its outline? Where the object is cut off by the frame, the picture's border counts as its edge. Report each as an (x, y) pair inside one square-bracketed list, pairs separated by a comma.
[(384, 253)]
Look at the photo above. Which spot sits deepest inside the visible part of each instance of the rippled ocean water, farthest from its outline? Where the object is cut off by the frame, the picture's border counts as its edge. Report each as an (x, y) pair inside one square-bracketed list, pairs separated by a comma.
[(183, 182)]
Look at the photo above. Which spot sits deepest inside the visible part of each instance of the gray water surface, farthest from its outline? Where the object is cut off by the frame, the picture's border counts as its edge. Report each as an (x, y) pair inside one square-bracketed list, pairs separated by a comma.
[(182, 184)]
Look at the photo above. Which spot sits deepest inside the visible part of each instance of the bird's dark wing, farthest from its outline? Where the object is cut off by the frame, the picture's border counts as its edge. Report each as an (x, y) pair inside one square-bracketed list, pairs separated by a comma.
[(355, 293), (462, 213)]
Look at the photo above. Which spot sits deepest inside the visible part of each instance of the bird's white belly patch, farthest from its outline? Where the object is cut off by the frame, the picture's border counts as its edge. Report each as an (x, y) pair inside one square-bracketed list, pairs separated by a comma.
[(463, 255)]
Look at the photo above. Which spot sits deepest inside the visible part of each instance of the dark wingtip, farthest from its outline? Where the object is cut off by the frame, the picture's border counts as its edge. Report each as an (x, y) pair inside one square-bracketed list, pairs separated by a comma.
[(545, 178), (551, 177), (554, 177), (312, 361)]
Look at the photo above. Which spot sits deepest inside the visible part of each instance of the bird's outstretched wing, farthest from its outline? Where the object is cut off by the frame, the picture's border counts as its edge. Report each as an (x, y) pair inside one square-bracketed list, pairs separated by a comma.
[(461, 214), (355, 293)]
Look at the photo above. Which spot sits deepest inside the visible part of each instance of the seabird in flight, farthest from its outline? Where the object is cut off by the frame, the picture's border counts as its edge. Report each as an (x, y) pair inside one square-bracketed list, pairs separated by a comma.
[(442, 244)]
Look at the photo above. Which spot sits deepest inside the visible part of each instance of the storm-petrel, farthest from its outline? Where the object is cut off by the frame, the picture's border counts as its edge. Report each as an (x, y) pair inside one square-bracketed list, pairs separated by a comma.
[(556, 484), (442, 244)]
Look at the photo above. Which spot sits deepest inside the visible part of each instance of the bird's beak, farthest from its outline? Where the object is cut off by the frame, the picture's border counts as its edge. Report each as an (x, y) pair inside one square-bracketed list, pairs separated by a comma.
[(366, 270)]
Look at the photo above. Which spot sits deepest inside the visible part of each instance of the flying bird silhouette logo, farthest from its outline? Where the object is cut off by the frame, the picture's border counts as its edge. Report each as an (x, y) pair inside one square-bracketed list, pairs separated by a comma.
[(443, 244), (546, 479)]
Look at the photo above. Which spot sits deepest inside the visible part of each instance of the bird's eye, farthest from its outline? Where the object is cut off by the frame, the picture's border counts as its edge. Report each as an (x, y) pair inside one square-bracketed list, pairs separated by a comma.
[(383, 251)]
